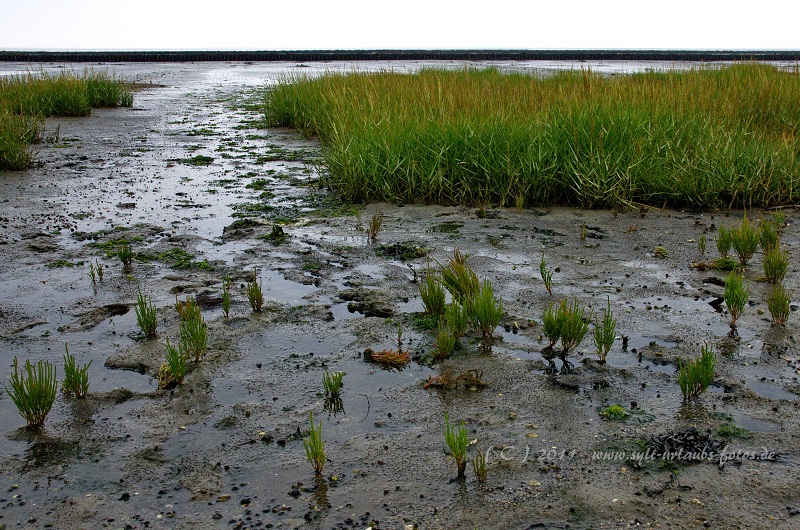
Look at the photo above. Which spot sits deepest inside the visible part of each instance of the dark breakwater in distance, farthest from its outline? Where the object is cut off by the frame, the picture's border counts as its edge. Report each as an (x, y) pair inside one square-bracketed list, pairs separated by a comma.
[(399, 55)]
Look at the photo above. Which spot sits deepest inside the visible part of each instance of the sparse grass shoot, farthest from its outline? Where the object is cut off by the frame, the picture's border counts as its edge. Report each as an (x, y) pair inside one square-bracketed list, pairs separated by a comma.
[(547, 276), (315, 446)]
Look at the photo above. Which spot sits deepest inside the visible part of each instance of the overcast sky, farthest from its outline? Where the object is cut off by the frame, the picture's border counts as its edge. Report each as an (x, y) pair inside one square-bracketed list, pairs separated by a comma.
[(401, 24)]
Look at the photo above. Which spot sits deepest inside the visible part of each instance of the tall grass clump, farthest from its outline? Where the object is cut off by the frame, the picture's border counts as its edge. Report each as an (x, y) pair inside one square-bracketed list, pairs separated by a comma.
[(26, 100), (35, 393), (76, 377), (702, 138), (695, 376)]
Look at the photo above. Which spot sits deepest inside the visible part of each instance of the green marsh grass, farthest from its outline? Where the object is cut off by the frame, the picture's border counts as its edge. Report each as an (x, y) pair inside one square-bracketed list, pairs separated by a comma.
[(432, 293), (551, 324), (255, 295), (695, 376), (194, 338), (724, 241), (744, 240), (315, 445), (547, 276), (76, 377), (26, 100), (457, 440), (146, 316), (460, 280), (573, 324), (332, 382), (35, 393), (479, 466), (486, 310), (768, 237), (778, 303), (445, 341), (173, 371), (736, 295), (701, 138), (776, 263), (457, 319), (187, 309), (125, 255), (605, 333)]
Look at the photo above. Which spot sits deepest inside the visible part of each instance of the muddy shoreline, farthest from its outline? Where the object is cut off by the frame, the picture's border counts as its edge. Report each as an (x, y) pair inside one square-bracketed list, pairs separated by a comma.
[(186, 178)]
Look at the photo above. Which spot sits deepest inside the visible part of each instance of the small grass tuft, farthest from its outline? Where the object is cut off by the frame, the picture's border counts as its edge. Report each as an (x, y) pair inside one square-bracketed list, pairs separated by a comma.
[(445, 341), (724, 241), (146, 315), (605, 333), (736, 296), (173, 371), (432, 293), (226, 296), (375, 226), (486, 311), (125, 255), (744, 240), (76, 378), (479, 466), (457, 441), (194, 338), (695, 376), (573, 324), (332, 382), (778, 304), (187, 309), (776, 263), (255, 295)]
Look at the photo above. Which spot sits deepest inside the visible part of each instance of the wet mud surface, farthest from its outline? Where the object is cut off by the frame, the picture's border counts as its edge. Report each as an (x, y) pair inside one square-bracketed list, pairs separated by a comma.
[(187, 179)]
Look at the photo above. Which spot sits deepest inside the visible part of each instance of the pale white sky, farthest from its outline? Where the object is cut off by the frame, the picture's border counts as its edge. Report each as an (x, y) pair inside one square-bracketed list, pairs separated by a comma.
[(400, 24)]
